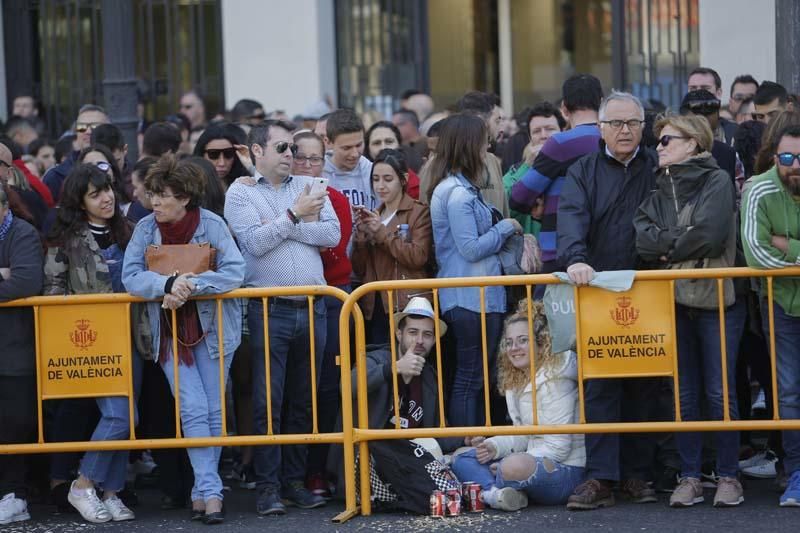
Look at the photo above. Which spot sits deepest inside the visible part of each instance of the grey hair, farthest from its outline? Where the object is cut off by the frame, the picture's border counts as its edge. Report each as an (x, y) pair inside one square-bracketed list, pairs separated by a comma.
[(620, 96)]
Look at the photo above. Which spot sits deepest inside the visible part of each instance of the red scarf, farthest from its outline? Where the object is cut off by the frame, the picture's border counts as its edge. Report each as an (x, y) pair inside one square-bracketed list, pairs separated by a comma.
[(187, 319)]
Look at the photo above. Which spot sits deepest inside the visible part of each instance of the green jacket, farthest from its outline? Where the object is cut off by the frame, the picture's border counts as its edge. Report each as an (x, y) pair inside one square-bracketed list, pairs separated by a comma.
[(768, 209), (528, 223), (77, 267)]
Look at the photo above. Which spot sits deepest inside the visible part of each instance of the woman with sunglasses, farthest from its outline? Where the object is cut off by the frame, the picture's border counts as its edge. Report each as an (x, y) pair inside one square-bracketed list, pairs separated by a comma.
[(100, 156), (224, 145), (543, 469), (393, 242), (84, 256), (690, 222)]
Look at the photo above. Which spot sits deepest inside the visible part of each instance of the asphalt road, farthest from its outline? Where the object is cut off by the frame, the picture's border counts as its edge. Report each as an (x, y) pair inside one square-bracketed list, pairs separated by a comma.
[(760, 513)]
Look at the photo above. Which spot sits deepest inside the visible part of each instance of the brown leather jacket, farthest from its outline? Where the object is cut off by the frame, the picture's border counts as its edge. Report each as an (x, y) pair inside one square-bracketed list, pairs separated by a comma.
[(389, 257)]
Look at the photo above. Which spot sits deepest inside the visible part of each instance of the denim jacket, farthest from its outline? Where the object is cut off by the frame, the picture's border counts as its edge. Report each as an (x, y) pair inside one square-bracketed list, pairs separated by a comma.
[(467, 244), (229, 276)]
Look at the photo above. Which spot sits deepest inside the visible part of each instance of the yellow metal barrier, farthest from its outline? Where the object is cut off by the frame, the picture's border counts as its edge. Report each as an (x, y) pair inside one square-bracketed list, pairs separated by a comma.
[(105, 311), (362, 434)]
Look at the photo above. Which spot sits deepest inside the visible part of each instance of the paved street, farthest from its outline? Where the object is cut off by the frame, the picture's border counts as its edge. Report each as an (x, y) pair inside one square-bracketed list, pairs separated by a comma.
[(759, 513)]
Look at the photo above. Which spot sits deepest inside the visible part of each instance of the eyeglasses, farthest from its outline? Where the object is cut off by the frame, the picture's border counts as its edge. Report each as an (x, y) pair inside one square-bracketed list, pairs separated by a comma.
[(103, 165), (521, 342), (82, 127), (665, 139), (214, 153), (633, 124), (313, 160), (283, 145), (739, 97), (786, 159), (150, 195)]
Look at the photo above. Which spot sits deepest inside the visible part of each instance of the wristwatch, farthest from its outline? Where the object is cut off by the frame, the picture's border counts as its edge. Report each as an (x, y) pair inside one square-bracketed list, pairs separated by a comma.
[(293, 216)]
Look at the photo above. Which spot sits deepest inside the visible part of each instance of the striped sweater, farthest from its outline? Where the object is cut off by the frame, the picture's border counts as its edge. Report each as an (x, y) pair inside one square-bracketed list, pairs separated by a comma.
[(546, 178), (769, 209)]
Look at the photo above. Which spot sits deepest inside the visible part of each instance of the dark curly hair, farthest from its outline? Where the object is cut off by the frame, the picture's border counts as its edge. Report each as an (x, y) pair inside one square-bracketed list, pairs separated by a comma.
[(182, 176), (71, 217)]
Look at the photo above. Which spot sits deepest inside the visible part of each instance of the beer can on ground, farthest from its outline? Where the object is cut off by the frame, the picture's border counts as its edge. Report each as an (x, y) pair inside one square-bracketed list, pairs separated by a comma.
[(465, 504), (453, 502), (475, 498), (438, 504)]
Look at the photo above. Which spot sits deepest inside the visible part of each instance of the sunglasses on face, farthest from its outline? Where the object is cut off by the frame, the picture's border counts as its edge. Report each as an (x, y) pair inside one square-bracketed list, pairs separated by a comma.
[(82, 127), (283, 145), (665, 139), (104, 166), (786, 159), (214, 153)]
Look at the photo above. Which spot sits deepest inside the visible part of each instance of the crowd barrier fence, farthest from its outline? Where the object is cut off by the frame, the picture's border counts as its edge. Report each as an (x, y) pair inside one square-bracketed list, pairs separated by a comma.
[(114, 311)]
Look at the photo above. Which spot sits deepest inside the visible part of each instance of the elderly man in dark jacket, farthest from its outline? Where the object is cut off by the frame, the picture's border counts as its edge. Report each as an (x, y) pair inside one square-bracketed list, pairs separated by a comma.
[(20, 276), (595, 232), (416, 379)]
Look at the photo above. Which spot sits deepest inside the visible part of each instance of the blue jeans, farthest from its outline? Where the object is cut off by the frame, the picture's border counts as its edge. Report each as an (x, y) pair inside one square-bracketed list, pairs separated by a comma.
[(289, 387), (543, 487), (700, 378), (464, 331), (787, 354), (108, 470), (201, 415)]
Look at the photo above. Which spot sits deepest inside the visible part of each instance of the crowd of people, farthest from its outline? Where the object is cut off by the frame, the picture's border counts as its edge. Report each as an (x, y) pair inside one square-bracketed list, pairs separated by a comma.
[(602, 182)]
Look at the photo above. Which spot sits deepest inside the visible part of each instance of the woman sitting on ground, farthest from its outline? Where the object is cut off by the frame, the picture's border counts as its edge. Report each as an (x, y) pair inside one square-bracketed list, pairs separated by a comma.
[(544, 469)]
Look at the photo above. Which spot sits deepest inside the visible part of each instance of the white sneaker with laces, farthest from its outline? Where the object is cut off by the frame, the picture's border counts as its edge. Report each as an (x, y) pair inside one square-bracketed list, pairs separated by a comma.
[(762, 468), (509, 499), (13, 509), (88, 505), (119, 512)]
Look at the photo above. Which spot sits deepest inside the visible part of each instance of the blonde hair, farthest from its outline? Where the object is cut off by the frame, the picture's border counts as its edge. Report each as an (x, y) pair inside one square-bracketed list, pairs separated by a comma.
[(693, 126), (16, 178), (510, 377)]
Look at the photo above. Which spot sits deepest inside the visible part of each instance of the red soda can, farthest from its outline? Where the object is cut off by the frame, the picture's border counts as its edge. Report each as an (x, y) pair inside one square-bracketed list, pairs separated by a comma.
[(475, 498), (438, 504), (453, 502), (465, 501)]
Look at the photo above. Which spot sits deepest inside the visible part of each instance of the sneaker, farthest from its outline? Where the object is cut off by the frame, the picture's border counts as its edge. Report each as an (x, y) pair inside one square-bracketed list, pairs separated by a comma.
[(667, 480), (269, 503), (119, 512), (318, 485), (729, 492), (791, 496), (760, 466), (508, 499), (638, 491), (688, 492), (708, 476), (760, 404), (88, 505), (295, 494), (591, 494), (13, 509)]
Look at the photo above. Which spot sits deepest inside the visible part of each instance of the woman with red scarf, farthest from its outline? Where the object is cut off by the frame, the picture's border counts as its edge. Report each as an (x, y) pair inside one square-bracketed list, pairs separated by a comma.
[(175, 189)]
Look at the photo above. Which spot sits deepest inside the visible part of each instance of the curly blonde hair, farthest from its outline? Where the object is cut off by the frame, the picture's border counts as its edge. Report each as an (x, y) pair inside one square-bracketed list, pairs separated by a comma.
[(511, 378)]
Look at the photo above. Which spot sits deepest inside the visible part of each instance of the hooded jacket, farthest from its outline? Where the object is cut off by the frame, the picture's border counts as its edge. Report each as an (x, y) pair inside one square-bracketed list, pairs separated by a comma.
[(596, 208), (699, 180), (355, 184), (769, 209)]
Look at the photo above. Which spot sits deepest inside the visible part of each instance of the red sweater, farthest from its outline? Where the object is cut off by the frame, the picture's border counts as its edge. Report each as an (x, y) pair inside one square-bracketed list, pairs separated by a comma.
[(335, 263), (35, 183), (412, 188)]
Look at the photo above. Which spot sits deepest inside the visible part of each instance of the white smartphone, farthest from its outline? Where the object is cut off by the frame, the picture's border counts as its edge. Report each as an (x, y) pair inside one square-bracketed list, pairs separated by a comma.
[(319, 185)]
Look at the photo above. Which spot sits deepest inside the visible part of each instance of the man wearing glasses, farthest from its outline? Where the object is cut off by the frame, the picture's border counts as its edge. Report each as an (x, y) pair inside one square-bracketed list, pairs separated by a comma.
[(89, 117), (280, 224), (771, 239), (742, 88), (601, 194)]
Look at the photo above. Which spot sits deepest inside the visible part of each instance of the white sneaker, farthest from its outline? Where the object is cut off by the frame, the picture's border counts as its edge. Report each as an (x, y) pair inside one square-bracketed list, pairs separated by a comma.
[(508, 499), (119, 512), (761, 402), (763, 467), (13, 509), (88, 505)]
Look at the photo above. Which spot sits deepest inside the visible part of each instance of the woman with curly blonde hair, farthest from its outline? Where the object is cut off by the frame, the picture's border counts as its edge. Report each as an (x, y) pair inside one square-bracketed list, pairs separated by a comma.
[(542, 468)]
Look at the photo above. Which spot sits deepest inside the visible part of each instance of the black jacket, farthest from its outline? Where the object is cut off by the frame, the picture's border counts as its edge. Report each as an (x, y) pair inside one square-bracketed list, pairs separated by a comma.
[(21, 251), (698, 180), (596, 208)]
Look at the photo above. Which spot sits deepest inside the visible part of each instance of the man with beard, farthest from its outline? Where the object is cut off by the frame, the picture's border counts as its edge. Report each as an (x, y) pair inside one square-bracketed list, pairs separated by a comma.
[(771, 238)]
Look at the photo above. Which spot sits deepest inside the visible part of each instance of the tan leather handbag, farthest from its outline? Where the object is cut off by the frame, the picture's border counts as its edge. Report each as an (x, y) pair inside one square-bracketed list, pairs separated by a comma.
[(177, 259)]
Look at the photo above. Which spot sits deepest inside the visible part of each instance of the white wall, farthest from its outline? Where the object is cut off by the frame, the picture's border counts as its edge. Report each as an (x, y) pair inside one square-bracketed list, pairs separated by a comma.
[(738, 37), (281, 53)]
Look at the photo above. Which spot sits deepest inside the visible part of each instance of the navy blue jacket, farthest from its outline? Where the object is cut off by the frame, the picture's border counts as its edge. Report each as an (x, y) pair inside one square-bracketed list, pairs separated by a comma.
[(595, 212), (54, 178)]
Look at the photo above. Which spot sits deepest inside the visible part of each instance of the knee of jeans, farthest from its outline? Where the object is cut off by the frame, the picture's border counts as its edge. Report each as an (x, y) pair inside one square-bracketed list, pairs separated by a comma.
[(520, 467), (194, 410)]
